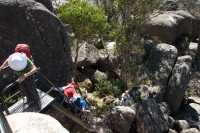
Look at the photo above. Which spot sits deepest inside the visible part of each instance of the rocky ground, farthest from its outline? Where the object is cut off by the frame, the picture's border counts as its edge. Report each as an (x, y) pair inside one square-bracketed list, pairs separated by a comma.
[(193, 88)]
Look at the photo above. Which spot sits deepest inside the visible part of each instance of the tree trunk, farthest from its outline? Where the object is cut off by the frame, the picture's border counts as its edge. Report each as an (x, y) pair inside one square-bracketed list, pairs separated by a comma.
[(198, 55), (75, 73)]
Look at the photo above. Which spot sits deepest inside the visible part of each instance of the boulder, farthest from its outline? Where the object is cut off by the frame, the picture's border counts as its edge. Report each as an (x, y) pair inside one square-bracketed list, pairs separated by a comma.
[(172, 24), (172, 131), (87, 55), (150, 118), (180, 125), (47, 4), (100, 126), (34, 123), (158, 93), (93, 74), (147, 45), (144, 92), (120, 118), (194, 99), (192, 51), (191, 130), (84, 81), (106, 62), (27, 21), (178, 82), (160, 63), (190, 113)]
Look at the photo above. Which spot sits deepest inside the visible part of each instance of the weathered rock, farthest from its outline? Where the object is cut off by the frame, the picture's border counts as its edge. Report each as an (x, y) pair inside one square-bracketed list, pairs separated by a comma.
[(191, 130), (47, 4), (158, 92), (193, 87), (190, 113), (106, 62), (172, 131), (110, 47), (165, 110), (141, 92), (148, 45), (194, 99), (108, 100), (150, 118), (172, 24), (93, 74), (116, 102), (195, 107), (120, 118), (171, 5), (171, 122), (178, 83), (87, 55), (84, 81), (100, 126), (193, 49), (180, 125), (193, 52), (27, 21), (160, 63), (34, 123)]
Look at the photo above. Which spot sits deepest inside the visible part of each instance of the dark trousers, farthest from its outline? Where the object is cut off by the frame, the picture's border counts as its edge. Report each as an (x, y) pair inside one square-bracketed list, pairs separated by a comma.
[(29, 89)]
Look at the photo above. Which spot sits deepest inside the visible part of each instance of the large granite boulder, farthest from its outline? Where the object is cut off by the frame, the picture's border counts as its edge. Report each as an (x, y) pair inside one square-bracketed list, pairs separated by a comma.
[(120, 118), (34, 123), (27, 21), (47, 4), (106, 62), (172, 24), (178, 82), (87, 55), (160, 63), (151, 117)]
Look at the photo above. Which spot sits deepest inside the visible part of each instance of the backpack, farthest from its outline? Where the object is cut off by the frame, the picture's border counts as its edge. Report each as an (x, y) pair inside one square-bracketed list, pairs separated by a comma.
[(23, 48)]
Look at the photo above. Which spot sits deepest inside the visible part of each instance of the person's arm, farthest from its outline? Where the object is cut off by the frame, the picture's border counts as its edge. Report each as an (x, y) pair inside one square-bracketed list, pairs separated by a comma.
[(32, 68), (83, 107), (5, 64)]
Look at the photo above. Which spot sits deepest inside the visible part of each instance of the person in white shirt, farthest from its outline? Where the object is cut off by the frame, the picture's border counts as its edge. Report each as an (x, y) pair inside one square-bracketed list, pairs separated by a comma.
[(125, 98)]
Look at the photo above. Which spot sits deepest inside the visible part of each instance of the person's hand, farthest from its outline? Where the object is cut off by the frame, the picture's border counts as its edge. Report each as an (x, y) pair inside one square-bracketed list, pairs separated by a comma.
[(22, 78)]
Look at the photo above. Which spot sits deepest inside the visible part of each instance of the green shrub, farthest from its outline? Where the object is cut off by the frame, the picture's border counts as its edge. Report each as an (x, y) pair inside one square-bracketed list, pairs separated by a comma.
[(106, 87)]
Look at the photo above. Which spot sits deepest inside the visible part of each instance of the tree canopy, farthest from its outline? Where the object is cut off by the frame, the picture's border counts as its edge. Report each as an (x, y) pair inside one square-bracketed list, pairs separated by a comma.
[(85, 20)]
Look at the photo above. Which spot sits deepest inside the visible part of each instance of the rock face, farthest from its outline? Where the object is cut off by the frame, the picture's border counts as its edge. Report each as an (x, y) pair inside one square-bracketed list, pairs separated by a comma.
[(34, 123), (87, 55), (150, 118), (172, 24), (178, 82), (47, 4), (120, 118), (160, 63), (27, 21)]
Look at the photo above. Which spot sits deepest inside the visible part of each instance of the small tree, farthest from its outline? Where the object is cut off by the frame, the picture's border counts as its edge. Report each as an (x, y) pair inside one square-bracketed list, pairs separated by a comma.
[(131, 16), (86, 21)]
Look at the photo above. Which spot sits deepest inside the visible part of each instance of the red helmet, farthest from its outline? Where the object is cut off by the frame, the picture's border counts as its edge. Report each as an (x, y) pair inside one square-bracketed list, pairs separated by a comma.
[(72, 83)]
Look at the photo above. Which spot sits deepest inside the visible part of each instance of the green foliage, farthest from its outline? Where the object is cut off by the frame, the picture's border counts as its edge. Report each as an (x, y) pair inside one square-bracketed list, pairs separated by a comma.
[(106, 87), (130, 17), (11, 101), (99, 106), (86, 21)]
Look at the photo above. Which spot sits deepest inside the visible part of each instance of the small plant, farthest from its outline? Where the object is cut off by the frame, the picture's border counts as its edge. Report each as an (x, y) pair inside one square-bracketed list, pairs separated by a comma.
[(106, 87)]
